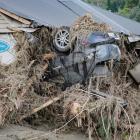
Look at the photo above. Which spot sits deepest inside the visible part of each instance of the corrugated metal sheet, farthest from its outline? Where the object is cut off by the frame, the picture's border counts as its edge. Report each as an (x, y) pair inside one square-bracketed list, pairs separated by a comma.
[(46, 12), (64, 12)]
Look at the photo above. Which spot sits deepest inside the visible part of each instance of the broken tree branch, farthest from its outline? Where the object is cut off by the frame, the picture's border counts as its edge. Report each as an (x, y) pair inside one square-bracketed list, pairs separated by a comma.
[(48, 103)]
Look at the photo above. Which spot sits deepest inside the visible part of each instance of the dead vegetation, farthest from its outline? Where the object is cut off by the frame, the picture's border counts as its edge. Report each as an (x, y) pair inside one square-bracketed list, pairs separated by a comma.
[(85, 25), (21, 85), (23, 91)]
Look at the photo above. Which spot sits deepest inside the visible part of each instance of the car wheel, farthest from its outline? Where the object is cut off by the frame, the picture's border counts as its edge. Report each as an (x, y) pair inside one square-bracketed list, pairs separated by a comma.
[(61, 39)]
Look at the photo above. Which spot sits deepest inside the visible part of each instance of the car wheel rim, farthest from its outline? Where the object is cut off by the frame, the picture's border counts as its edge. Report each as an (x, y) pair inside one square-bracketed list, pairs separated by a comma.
[(62, 39)]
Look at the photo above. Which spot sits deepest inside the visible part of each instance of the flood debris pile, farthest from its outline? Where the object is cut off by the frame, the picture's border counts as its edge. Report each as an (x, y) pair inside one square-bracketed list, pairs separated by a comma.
[(21, 84), (104, 105), (108, 106), (86, 24), (108, 112)]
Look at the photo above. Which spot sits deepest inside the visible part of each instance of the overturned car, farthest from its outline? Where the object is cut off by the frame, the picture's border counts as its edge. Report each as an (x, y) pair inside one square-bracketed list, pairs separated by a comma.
[(87, 56), (76, 62)]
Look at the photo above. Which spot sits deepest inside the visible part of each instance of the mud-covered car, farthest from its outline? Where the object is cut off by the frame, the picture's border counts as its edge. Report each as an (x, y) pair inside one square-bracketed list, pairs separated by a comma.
[(87, 57)]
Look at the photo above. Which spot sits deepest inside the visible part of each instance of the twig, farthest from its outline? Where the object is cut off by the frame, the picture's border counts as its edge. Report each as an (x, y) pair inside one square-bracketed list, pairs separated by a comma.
[(3, 90), (89, 126), (129, 122)]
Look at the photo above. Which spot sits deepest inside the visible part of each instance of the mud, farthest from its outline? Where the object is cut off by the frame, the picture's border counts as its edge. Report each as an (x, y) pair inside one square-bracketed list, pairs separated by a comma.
[(16, 132)]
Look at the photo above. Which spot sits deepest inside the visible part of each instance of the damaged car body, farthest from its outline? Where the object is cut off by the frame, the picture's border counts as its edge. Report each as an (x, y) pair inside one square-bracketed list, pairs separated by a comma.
[(86, 56)]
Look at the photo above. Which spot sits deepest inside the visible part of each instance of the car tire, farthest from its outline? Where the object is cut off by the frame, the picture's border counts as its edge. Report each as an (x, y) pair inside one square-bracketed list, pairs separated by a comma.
[(61, 39)]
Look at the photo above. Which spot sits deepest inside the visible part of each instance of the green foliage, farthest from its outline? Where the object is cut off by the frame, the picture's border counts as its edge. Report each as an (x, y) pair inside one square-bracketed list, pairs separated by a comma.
[(124, 12), (135, 13), (108, 4), (131, 3), (128, 8), (112, 5), (105, 124)]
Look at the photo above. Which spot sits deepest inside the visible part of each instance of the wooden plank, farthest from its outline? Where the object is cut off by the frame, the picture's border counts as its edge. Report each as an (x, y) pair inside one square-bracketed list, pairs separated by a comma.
[(3, 22), (1, 18), (5, 25), (14, 16), (3, 31)]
